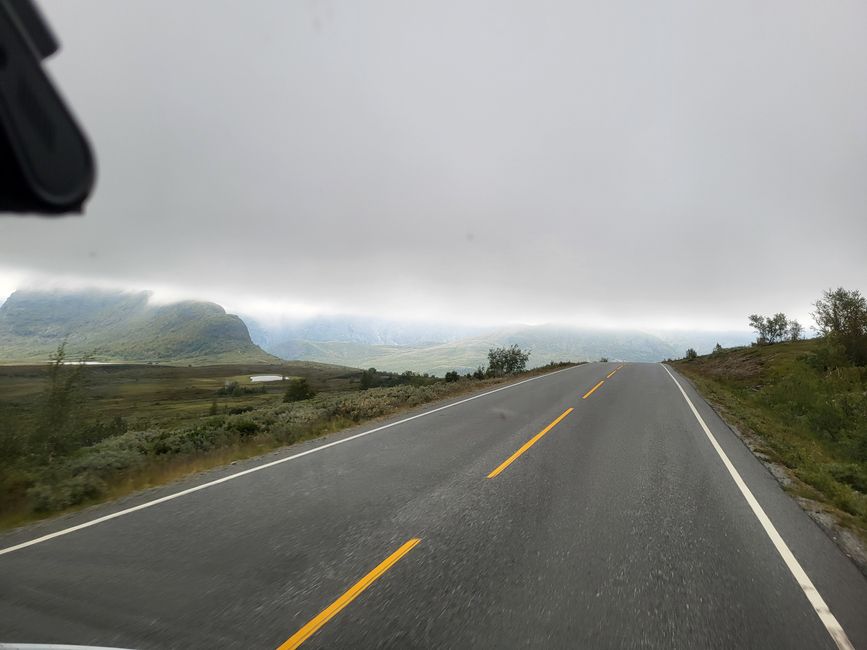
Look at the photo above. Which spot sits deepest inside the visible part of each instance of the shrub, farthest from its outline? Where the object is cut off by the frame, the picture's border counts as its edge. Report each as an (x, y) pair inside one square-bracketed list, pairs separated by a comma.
[(233, 388), (480, 373), (771, 329), (691, 354), (452, 376), (62, 411), (369, 378), (298, 391), (70, 492), (841, 315), (507, 361), (245, 428)]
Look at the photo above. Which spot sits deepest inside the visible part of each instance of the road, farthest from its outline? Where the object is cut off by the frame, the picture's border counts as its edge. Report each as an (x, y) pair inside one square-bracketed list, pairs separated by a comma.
[(620, 526)]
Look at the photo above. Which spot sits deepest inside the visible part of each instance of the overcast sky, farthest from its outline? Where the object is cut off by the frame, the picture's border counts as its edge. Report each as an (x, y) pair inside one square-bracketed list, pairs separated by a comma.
[(620, 163)]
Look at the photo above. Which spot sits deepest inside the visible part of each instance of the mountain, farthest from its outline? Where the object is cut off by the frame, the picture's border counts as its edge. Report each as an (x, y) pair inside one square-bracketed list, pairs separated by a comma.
[(123, 326), (546, 343), (355, 329), (120, 326)]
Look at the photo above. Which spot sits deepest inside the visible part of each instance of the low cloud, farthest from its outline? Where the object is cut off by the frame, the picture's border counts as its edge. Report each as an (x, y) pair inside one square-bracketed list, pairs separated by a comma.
[(679, 167)]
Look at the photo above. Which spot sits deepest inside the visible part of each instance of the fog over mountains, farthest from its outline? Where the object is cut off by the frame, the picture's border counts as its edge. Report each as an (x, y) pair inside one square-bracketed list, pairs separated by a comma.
[(128, 326), (437, 347)]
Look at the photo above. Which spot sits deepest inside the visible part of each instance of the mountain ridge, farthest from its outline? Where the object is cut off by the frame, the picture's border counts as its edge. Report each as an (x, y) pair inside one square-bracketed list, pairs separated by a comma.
[(121, 326), (546, 343), (129, 326)]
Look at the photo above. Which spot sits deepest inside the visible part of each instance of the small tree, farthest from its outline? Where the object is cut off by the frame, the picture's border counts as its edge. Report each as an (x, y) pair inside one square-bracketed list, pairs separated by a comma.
[(62, 410), (841, 315), (717, 350), (507, 361), (691, 354), (368, 378), (795, 331), (777, 325), (452, 375), (480, 373), (758, 324), (841, 312), (298, 390), (770, 329)]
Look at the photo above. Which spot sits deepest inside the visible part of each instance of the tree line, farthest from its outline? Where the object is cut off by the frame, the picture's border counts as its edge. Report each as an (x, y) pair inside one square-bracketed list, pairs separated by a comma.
[(841, 319)]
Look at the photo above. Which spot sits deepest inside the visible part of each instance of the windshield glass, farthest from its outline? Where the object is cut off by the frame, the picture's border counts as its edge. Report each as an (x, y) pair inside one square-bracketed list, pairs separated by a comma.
[(431, 324)]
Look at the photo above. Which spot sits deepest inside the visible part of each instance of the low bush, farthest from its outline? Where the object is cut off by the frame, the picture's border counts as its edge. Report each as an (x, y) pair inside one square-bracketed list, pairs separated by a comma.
[(298, 391), (809, 407), (108, 453), (233, 389)]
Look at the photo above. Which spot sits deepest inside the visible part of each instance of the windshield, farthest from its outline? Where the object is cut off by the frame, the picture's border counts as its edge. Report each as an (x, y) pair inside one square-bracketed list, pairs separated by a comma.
[(426, 324)]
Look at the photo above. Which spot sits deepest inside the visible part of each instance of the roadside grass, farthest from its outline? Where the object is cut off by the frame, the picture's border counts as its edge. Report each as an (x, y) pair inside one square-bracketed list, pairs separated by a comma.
[(158, 425), (799, 414), (148, 395)]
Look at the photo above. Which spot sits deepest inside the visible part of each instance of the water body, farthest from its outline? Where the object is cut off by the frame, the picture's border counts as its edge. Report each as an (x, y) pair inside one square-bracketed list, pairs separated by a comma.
[(266, 377)]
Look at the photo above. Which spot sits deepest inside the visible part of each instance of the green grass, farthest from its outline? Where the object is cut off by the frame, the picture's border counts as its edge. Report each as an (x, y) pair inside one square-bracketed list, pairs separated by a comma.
[(140, 425), (808, 413), (156, 395)]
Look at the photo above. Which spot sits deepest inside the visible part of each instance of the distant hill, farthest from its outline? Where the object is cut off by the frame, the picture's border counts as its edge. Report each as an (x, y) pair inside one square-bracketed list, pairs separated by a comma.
[(437, 348), (355, 329), (118, 326), (546, 343)]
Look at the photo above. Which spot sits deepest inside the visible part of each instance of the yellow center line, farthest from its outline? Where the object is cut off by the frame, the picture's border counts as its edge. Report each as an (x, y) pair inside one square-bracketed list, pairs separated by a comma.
[(532, 441), (611, 374), (590, 392), (334, 608)]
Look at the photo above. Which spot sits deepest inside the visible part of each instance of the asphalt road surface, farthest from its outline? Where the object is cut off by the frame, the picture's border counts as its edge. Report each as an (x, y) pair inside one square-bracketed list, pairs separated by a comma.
[(625, 524)]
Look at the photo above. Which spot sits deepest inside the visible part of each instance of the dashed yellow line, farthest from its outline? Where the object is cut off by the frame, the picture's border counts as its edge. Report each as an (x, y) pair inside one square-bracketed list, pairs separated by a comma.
[(592, 390), (334, 608), (532, 441), (611, 374)]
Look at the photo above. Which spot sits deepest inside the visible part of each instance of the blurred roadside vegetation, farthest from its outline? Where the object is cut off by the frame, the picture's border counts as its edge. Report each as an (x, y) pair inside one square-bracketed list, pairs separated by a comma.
[(805, 400), (74, 434)]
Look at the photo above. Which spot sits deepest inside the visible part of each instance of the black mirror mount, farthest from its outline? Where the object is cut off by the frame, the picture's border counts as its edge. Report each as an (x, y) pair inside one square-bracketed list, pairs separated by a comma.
[(46, 163)]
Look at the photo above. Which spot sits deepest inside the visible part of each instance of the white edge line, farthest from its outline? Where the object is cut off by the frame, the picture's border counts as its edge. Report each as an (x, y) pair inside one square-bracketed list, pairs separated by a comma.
[(169, 497), (822, 610)]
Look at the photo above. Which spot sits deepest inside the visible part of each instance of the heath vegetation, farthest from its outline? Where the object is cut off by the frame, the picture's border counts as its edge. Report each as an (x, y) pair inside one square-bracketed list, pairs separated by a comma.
[(805, 400), (72, 434)]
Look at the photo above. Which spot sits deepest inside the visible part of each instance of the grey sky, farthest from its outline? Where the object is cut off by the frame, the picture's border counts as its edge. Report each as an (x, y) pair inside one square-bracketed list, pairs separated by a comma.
[(628, 163)]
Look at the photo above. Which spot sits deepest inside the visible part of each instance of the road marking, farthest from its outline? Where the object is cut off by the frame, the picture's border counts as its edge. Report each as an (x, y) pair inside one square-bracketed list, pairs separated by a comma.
[(611, 374), (532, 441), (334, 608), (828, 619), (591, 391), (230, 477)]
